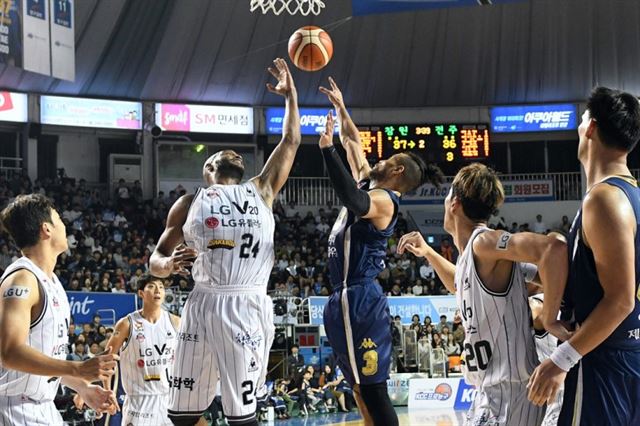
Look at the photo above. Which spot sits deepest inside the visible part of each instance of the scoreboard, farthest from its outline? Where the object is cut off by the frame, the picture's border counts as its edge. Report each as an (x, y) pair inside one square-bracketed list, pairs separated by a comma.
[(440, 142)]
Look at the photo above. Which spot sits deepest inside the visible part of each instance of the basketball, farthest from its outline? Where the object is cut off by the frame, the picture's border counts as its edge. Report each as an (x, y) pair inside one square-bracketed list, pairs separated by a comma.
[(310, 48)]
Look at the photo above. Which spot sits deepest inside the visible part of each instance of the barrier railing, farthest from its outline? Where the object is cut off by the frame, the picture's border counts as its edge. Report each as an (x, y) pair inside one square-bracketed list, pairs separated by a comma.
[(319, 191)]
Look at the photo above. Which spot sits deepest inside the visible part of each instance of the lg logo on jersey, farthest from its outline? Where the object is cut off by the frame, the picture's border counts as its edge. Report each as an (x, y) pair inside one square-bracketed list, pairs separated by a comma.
[(212, 222), (245, 209)]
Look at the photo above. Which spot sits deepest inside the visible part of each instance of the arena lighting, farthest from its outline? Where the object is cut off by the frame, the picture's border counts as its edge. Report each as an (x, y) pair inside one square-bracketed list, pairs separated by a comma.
[(199, 148)]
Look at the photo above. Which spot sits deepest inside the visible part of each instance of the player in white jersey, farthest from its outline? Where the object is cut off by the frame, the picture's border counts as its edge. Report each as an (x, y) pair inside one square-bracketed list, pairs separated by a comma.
[(146, 341), (489, 283), (227, 323), (546, 343), (34, 320)]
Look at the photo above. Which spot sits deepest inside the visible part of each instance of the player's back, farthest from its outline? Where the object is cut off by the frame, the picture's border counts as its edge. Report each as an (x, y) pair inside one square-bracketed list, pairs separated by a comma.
[(584, 290), (499, 342), (148, 355), (356, 249), (48, 334), (232, 228)]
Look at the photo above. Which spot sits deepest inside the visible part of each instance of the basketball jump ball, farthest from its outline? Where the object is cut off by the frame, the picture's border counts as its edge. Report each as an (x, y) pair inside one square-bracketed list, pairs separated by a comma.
[(310, 48)]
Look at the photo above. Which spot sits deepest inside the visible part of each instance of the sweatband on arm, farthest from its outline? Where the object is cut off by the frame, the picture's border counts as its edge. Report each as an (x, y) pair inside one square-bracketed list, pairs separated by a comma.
[(565, 356), (354, 199)]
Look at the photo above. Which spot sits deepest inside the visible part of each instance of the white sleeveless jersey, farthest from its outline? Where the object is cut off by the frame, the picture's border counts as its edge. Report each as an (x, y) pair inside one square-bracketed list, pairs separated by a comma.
[(232, 229), (546, 342), (48, 334), (499, 344), (147, 357)]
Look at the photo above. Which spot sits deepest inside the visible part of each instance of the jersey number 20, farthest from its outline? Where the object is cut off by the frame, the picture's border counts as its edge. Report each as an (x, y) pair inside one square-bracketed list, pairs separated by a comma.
[(478, 355)]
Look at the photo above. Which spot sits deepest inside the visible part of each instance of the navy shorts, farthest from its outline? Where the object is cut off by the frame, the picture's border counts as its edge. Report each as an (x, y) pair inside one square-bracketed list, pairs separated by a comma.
[(603, 388), (358, 326)]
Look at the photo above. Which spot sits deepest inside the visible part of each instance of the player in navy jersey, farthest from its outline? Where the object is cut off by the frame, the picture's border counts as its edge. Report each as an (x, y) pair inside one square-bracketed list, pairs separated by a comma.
[(356, 317), (602, 357)]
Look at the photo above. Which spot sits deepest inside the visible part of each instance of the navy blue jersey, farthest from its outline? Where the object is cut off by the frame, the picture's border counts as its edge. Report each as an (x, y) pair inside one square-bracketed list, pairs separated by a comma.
[(584, 291), (357, 250)]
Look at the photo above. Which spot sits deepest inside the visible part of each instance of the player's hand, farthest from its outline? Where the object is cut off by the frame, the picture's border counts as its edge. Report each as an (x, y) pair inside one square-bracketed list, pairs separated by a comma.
[(100, 367), (181, 259), (545, 382), (413, 242), (99, 399), (285, 86), (326, 137), (334, 94)]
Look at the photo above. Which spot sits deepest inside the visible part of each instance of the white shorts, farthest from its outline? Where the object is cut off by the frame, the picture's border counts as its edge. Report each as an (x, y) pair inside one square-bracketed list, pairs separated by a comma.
[(504, 404), (21, 411), (145, 410), (223, 336)]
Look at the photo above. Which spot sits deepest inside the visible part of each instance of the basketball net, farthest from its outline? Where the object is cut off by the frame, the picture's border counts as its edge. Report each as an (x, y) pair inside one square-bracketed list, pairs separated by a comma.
[(293, 7)]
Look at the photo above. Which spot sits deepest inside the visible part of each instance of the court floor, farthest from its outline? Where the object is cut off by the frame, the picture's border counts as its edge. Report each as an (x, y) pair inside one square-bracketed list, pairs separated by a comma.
[(413, 418)]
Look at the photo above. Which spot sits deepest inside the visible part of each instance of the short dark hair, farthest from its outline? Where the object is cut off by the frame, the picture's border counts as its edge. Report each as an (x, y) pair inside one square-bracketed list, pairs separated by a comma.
[(479, 190), (24, 216), (146, 279), (417, 172), (617, 116)]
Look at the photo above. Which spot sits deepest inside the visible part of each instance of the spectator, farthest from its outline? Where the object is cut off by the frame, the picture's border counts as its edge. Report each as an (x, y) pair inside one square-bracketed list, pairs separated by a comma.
[(446, 250), (78, 353), (443, 323), (565, 225), (295, 360), (426, 270), (538, 226), (417, 288)]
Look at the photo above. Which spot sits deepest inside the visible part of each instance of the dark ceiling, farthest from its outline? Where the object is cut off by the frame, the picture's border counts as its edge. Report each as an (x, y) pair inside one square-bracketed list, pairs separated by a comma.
[(216, 51)]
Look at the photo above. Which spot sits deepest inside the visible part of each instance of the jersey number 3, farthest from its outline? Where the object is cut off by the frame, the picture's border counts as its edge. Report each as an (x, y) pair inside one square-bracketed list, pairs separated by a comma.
[(247, 249)]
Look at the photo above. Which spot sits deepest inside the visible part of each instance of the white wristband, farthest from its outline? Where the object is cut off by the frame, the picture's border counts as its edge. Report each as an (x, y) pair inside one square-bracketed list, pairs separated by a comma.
[(565, 356)]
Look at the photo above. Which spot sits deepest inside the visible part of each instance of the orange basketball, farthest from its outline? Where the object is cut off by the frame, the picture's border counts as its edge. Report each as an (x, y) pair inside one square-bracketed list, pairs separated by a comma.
[(310, 48)]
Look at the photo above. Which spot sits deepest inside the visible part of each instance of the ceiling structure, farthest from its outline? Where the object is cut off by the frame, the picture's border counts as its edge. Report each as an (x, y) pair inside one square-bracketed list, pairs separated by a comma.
[(216, 51)]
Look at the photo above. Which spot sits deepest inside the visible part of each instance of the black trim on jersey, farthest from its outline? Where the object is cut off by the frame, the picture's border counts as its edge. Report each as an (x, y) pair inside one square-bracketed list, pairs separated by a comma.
[(187, 413), (251, 181), (126, 343), (484, 287), (540, 336), (177, 330)]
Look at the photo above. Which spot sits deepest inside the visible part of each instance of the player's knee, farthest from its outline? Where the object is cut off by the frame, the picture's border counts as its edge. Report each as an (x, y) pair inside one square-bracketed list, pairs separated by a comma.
[(181, 420), (376, 398)]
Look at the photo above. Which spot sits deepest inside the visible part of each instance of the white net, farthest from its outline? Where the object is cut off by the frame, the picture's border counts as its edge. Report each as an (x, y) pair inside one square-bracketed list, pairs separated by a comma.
[(293, 7)]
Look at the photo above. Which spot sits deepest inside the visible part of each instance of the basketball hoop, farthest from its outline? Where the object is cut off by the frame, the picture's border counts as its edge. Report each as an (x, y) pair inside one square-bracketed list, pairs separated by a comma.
[(293, 7)]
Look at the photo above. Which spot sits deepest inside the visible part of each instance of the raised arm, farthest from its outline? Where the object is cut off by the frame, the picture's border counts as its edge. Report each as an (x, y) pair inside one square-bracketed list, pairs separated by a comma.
[(349, 134), (375, 205), (276, 171), (413, 242), (171, 256)]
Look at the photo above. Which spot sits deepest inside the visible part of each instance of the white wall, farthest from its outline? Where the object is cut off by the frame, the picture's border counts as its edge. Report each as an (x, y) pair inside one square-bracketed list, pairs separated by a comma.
[(79, 155)]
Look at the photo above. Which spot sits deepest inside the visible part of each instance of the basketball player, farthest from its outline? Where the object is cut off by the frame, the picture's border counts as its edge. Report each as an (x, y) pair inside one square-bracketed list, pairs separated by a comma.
[(356, 317), (489, 282), (227, 323), (34, 321), (602, 357), (545, 345), (145, 340)]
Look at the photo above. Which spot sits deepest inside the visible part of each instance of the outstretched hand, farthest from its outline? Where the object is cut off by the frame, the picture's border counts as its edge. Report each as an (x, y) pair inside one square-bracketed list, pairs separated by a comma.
[(326, 137), (334, 94), (281, 72)]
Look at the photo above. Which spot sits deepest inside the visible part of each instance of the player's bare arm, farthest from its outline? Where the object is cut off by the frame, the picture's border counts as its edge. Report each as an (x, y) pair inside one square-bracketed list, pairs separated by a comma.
[(20, 303), (171, 256), (349, 134), (614, 253), (375, 205), (616, 273), (117, 340), (277, 168), (495, 250), (414, 243)]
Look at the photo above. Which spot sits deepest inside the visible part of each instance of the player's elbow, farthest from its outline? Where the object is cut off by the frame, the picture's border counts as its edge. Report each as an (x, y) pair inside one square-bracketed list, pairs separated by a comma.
[(292, 138), (7, 355)]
